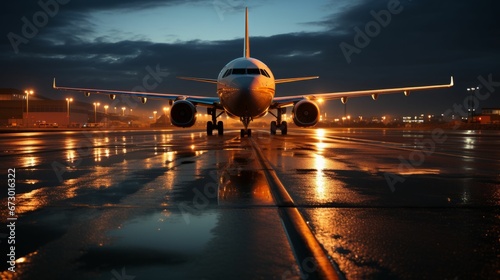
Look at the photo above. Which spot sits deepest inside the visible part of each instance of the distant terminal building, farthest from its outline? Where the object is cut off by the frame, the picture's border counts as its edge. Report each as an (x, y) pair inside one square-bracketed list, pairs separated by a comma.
[(491, 111), (414, 119), (488, 116), (16, 110), (422, 118)]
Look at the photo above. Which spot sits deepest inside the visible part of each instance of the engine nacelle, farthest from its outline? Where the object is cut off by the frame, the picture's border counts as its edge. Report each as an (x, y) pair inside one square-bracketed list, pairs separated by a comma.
[(87, 94), (112, 96), (305, 113), (144, 100), (183, 113)]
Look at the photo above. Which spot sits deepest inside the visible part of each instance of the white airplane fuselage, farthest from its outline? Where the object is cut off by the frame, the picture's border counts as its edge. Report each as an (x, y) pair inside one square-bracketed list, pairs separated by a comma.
[(246, 88)]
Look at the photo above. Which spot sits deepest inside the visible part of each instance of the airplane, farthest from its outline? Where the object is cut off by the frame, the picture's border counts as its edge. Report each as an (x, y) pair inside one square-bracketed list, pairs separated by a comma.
[(246, 91)]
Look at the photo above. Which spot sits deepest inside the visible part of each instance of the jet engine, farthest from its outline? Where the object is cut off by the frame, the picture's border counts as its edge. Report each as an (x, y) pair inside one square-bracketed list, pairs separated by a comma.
[(183, 113), (305, 113)]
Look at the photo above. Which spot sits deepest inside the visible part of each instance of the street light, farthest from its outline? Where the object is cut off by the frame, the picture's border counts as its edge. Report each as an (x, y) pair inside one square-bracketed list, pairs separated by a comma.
[(28, 92), (471, 101), (106, 115), (95, 111), (123, 111), (154, 118), (165, 110), (68, 100)]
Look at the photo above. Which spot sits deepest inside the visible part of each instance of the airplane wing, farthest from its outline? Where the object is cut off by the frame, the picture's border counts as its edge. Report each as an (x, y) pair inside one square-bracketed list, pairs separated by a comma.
[(285, 101), (202, 80), (196, 100), (290, 80)]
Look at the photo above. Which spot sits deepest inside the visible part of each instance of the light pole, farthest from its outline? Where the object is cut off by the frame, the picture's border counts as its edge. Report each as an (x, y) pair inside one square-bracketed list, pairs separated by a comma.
[(165, 110), (68, 100), (471, 104), (95, 111), (28, 92), (320, 102), (106, 115), (154, 118), (123, 111)]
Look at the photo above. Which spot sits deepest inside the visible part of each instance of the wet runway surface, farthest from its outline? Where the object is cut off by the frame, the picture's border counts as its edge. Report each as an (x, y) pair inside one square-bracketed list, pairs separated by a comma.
[(382, 204)]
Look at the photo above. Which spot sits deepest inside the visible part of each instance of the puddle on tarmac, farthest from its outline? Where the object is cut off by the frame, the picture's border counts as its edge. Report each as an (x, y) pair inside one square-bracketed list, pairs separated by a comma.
[(162, 238)]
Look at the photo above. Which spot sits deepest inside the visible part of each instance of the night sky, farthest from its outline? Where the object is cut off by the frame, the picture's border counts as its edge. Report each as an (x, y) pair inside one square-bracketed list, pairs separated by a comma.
[(115, 44)]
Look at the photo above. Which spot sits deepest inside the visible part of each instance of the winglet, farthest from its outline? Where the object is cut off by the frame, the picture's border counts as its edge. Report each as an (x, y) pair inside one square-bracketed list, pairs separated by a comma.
[(246, 47), (452, 82), (54, 84)]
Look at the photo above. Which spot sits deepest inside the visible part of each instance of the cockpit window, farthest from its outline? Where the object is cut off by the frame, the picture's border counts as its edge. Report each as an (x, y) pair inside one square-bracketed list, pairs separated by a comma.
[(239, 71), (253, 71), (243, 71), (264, 72), (227, 73)]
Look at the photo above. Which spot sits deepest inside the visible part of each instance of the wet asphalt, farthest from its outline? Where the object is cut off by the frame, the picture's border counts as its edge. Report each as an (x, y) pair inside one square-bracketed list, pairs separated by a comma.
[(383, 204)]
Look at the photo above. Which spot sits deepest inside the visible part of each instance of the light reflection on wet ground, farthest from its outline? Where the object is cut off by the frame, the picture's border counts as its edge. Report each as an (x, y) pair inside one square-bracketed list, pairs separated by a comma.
[(440, 219), (157, 205), (191, 207)]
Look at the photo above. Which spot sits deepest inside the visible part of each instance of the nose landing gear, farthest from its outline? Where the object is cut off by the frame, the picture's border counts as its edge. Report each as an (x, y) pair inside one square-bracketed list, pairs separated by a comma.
[(246, 121)]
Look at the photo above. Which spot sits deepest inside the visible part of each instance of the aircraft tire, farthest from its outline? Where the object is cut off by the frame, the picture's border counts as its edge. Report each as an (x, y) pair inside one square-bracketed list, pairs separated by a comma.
[(220, 128), (273, 128), (284, 128), (210, 128)]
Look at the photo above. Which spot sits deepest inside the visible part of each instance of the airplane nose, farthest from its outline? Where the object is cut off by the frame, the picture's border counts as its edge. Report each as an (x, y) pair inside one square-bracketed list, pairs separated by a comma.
[(246, 84), (247, 96)]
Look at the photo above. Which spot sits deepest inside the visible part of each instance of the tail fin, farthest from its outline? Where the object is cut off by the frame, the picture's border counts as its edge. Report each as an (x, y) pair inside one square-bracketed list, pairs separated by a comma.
[(246, 47)]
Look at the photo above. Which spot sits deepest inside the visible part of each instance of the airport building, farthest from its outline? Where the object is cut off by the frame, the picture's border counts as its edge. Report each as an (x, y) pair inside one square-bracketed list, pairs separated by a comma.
[(491, 111), (18, 108), (488, 116)]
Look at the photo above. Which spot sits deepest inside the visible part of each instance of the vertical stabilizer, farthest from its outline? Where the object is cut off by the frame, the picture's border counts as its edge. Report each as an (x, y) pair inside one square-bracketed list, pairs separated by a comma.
[(246, 47)]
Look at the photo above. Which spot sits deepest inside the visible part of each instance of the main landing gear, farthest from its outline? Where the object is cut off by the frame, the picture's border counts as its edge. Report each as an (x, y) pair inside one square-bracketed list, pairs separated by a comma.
[(211, 126), (278, 124)]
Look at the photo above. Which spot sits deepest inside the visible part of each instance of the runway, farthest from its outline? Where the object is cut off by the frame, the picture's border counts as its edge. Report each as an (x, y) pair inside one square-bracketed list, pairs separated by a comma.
[(176, 204)]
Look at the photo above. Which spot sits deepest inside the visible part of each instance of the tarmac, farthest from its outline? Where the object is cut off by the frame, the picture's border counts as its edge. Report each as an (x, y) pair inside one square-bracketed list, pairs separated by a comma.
[(314, 204)]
